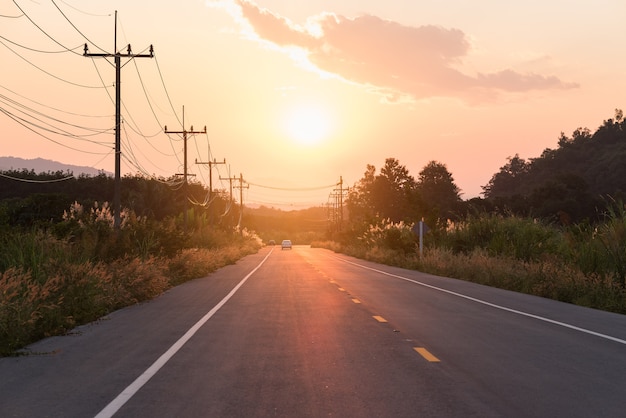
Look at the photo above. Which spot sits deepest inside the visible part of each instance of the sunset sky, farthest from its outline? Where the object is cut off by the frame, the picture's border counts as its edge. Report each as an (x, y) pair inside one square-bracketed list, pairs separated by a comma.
[(296, 95)]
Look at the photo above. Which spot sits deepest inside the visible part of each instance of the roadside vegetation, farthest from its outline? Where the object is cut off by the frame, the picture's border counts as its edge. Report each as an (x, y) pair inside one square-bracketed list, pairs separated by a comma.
[(578, 264), (81, 268)]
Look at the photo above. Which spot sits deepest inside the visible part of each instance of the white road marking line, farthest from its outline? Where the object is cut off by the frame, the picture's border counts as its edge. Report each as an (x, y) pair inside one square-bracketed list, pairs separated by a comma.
[(134, 387), (493, 305)]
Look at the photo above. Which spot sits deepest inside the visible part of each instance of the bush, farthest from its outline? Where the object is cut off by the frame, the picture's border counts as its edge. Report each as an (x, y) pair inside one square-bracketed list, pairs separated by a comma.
[(387, 234), (520, 238)]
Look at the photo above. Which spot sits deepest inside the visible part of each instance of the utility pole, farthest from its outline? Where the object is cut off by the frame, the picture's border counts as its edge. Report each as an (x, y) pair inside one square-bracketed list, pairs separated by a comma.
[(339, 203), (117, 56), (230, 180), (211, 164), (241, 187), (185, 132)]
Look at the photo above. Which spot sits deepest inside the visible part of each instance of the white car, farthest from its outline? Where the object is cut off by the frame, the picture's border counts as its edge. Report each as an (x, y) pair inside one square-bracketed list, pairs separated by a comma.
[(285, 244)]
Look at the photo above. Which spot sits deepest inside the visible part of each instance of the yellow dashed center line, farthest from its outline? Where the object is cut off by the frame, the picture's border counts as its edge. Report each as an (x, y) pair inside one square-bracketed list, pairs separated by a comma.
[(341, 289), (426, 354), (356, 301), (379, 318)]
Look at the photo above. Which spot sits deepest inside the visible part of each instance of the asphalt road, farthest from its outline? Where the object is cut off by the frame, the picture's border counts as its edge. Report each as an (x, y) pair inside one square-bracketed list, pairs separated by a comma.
[(308, 333)]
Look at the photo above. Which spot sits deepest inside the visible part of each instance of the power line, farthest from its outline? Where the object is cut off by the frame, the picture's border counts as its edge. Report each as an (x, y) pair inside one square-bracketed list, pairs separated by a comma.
[(43, 31), (74, 26), (25, 124), (36, 181), (84, 12), (23, 108), (12, 17), (38, 50), (298, 189), (165, 88), (49, 73), (54, 108)]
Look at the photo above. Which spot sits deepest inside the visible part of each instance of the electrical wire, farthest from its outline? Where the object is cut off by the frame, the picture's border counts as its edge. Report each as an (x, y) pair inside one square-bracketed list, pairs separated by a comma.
[(25, 123), (36, 181), (12, 17), (130, 153), (54, 108), (15, 105), (48, 73), (77, 30), (43, 31), (145, 92), (198, 154), (305, 189), (165, 88), (84, 12), (37, 50)]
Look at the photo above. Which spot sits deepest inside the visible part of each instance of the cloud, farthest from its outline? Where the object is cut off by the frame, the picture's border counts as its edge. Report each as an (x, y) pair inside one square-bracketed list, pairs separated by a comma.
[(392, 59)]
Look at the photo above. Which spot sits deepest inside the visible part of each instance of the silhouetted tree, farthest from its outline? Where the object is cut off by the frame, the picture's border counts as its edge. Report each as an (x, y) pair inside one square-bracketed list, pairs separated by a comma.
[(386, 195), (360, 203), (439, 195), (393, 193), (508, 181)]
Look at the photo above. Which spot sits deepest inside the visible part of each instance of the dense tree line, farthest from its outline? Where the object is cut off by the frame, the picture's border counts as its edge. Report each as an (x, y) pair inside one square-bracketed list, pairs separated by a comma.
[(571, 183), (394, 194), (35, 199)]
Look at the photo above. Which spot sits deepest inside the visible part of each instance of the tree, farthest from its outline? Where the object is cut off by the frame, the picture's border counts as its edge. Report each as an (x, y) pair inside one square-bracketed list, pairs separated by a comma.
[(439, 195), (508, 181), (388, 195), (393, 191), (359, 202)]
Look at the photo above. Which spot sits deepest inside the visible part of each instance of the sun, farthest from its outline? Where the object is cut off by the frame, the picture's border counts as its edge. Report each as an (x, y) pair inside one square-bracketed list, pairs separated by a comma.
[(307, 124)]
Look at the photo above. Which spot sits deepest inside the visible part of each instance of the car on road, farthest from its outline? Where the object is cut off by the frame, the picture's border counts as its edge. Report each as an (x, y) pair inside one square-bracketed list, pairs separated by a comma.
[(285, 244), (271, 242)]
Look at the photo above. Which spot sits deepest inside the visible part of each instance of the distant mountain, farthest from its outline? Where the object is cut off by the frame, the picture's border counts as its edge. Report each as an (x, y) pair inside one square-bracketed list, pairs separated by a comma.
[(40, 165)]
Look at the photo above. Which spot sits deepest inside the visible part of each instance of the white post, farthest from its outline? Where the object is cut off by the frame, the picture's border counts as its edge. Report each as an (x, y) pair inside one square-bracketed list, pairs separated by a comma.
[(421, 235)]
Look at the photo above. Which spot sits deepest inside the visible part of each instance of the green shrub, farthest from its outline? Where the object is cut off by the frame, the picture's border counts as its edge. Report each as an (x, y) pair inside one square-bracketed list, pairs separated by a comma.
[(580, 264), (520, 238)]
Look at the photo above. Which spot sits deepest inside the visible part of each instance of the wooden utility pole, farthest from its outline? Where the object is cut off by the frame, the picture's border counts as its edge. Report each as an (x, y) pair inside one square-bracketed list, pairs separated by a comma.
[(230, 180), (241, 187), (211, 164), (185, 132), (117, 57), (338, 208)]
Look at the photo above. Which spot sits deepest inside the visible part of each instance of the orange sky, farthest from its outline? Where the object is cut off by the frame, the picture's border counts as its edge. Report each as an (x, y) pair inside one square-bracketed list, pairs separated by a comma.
[(295, 96)]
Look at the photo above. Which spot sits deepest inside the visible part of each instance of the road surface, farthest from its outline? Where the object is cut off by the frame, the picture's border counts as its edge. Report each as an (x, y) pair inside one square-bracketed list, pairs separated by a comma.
[(310, 333)]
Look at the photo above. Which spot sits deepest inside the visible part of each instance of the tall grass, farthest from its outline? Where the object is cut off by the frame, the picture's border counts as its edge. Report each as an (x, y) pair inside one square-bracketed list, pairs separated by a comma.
[(73, 294), (82, 269), (580, 264)]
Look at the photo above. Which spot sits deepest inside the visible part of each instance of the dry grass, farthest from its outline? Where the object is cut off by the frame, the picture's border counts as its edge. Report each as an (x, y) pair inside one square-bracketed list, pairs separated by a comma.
[(73, 294), (549, 277)]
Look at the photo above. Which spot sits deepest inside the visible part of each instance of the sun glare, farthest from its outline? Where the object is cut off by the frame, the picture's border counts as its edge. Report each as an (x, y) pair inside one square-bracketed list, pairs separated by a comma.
[(307, 125)]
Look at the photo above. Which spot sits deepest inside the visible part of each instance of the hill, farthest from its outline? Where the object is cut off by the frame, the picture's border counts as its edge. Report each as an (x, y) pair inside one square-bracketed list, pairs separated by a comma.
[(40, 165)]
